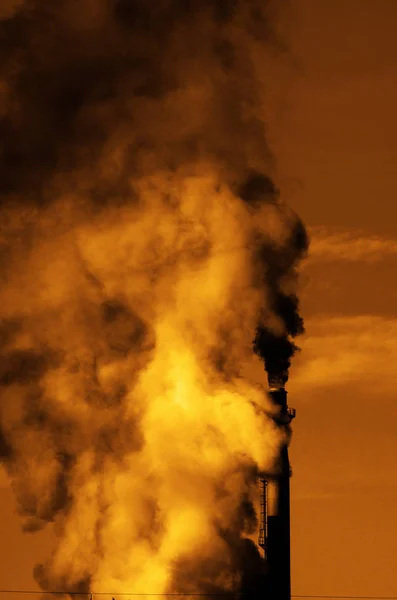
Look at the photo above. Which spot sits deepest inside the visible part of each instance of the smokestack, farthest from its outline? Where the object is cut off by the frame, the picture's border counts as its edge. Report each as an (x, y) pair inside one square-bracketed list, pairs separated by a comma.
[(274, 533), (274, 344)]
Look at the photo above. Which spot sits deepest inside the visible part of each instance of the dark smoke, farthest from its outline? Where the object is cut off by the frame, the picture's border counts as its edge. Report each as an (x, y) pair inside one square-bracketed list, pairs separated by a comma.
[(76, 74), (275, 265), (277, 350)]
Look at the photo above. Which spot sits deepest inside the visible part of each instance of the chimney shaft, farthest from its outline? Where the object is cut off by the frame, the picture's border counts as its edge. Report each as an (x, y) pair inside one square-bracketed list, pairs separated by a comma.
[(275, 515)]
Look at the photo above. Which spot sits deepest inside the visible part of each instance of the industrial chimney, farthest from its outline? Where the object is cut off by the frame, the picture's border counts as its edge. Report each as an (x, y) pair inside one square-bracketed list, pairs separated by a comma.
[(274, 532)]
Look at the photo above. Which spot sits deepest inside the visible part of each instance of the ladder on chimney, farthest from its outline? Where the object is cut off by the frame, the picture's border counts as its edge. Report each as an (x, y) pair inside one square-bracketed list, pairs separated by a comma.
[(263, 536)]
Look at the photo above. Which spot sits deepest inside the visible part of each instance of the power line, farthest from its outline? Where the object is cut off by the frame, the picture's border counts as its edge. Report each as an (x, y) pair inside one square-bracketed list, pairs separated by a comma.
[(92, 595)]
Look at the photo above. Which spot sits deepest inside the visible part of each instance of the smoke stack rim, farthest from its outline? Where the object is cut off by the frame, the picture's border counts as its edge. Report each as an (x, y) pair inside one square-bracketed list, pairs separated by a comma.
[(278, 396)]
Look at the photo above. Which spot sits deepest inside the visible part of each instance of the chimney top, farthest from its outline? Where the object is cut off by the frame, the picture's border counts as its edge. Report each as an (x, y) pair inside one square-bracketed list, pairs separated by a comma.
[(279, 396)]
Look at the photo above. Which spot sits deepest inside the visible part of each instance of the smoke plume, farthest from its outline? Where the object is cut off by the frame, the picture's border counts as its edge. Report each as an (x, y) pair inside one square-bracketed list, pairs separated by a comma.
[(142, 245)]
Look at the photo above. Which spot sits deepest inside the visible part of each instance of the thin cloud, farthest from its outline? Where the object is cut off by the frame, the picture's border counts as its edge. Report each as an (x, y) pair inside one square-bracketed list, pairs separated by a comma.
[(349, 246), (338, 351)]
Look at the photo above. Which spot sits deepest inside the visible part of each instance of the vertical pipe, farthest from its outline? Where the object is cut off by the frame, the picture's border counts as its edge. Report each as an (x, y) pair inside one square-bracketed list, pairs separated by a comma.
[(278, 586)]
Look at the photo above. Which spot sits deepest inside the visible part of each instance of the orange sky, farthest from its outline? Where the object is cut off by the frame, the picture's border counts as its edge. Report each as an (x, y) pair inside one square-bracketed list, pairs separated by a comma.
[(336, 145), (339, 142)]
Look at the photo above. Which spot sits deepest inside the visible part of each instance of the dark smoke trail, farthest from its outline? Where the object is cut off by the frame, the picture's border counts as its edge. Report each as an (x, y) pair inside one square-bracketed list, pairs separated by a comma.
[(173, 80), (277, 348)]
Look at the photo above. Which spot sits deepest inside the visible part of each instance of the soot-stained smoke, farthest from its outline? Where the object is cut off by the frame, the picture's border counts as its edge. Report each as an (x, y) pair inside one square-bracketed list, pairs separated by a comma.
[(276, 348), (172, 81), (142, 244)]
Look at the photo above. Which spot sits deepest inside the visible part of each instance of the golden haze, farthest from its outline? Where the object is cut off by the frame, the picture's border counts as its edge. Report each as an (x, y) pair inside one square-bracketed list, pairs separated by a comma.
[(144, 318), (134, 274)]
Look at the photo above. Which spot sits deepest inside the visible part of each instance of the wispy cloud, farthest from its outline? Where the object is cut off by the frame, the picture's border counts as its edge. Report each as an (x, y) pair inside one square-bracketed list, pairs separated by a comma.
[(349, 246), (344, 350)]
